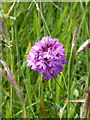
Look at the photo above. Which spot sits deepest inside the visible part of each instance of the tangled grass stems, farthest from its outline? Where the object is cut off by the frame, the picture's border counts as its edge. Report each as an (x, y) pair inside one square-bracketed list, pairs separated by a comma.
[(63, 90)]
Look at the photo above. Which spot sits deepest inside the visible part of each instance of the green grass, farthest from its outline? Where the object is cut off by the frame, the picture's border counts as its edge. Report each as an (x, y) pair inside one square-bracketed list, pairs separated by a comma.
[(26, 23)]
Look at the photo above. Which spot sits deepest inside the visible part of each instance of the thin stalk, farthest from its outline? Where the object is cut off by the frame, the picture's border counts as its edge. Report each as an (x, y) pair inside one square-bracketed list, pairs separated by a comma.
[(11, 88), (16, 42), (1, 67), (58, 90), (69, 78), (43, 88), (69, 74)]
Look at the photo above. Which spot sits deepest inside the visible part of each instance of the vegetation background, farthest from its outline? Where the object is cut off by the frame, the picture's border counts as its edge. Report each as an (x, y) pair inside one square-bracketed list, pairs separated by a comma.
[(24, 23)]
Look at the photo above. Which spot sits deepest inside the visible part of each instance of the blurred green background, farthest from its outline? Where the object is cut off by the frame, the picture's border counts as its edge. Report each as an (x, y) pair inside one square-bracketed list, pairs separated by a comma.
[(24, 24)]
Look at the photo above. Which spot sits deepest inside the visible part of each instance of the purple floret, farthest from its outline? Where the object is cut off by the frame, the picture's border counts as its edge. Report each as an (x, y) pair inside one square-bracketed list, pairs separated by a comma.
[(47, 57)]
